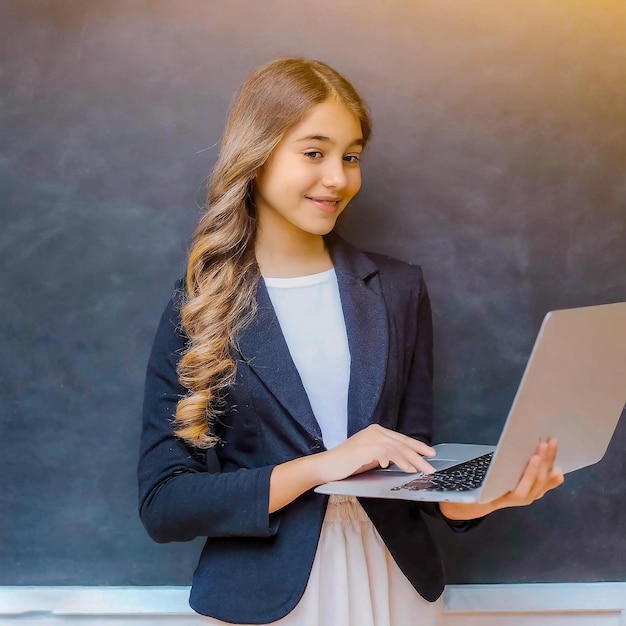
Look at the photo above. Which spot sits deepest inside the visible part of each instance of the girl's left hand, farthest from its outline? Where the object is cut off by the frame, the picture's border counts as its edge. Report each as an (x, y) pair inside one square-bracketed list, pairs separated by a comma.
[(539, 477)]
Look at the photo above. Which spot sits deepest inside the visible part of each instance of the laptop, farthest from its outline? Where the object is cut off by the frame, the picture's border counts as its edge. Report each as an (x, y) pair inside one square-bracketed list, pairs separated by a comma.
[(573, 388)]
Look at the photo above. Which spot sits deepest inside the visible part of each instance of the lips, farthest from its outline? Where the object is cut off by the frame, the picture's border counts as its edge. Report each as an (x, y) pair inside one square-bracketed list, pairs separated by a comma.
[(328, 204)]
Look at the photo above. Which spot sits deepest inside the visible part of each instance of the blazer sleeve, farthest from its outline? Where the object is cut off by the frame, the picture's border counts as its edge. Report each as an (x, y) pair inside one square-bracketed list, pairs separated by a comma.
[(182, 492)]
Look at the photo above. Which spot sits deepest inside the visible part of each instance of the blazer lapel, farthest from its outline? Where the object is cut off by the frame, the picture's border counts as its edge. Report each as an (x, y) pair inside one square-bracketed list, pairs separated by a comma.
[(263, 348), (366, 321)]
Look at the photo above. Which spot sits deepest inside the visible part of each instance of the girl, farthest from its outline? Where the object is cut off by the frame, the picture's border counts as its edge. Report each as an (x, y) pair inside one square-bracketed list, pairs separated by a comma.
[(289, 359)]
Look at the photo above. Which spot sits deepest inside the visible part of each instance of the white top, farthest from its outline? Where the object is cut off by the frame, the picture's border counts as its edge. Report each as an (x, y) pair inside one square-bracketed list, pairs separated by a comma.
[(311, 318)]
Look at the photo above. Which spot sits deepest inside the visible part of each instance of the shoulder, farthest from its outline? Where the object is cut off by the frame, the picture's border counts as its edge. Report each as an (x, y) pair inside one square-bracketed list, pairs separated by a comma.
[(170, 336), (402, 284), (395, 269), (172, 313), (363, 263)]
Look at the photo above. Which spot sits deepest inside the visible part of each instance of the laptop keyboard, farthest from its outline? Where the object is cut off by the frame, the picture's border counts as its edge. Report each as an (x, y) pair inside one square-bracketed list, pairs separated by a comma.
[(462, 477)]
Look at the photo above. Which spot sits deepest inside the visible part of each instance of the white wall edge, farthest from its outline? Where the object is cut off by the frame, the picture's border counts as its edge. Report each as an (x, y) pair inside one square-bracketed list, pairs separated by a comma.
[(67, 601), (535, 598), (171, 601)]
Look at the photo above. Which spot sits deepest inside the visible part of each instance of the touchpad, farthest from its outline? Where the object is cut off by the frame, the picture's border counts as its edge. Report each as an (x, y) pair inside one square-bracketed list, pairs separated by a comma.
[(441, 463), (438, 463)]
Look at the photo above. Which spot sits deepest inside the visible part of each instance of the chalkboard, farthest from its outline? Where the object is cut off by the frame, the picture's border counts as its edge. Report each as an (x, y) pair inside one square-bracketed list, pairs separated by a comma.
[(498, 163)]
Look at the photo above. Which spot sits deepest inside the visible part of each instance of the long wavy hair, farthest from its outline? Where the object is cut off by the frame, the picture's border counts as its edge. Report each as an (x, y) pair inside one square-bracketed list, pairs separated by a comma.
[(222, 273)]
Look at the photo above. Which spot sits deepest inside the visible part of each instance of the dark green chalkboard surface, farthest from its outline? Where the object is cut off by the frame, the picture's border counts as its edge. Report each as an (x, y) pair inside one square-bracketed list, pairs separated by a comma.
[(498, 163)]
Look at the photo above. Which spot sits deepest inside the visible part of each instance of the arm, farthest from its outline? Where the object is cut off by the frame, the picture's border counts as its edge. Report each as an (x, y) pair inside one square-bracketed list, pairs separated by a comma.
[(179, 499)]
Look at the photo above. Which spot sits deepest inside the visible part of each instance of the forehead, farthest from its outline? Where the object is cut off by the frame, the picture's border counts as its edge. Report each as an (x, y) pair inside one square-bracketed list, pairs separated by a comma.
[(330, 120)]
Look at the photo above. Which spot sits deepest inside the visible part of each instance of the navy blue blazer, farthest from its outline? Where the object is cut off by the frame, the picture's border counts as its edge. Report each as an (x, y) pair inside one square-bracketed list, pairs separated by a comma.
[(255, 566)]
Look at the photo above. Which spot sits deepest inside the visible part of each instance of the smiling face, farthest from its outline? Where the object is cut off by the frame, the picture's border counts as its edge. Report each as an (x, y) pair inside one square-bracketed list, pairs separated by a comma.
[(311, 175)]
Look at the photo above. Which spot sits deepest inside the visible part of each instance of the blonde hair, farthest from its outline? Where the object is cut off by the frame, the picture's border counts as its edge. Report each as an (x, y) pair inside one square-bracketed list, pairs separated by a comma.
[(222, 273)]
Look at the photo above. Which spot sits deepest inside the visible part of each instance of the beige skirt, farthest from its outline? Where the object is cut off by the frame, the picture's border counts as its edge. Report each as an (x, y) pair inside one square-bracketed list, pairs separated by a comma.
[(354, 580)]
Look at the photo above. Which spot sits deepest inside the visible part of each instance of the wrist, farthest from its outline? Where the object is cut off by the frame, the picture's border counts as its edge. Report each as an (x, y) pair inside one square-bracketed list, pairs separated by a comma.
[(319, 468), (463, 512), (293, 478)]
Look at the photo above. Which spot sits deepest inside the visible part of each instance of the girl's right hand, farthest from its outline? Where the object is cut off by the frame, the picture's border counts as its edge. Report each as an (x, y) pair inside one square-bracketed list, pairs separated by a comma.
[(372, 447)]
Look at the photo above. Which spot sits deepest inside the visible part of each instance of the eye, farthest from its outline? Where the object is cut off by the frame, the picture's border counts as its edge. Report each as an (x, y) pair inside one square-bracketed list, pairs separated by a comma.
[(352, 158), (313, 154)]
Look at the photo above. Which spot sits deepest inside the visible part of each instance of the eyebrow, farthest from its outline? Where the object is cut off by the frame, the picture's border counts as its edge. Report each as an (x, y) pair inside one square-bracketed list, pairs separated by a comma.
[(324, 139)]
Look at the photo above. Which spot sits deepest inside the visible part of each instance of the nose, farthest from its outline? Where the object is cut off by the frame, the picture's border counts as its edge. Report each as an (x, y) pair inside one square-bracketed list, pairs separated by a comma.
[(334, 174)]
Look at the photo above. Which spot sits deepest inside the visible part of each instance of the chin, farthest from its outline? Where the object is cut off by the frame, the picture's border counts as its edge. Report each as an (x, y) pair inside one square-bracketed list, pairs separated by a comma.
[(323, 226), (321, 230)]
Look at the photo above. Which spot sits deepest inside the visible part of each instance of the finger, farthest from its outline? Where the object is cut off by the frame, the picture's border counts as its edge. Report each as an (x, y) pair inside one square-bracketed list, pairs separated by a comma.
[(384, 462), (415, 444), (553, 447), (555, 479), (414, 456), (420, 464), (405, 458), (528, 490), (527, 481), (545, 465), (545, 479), (408, 459)]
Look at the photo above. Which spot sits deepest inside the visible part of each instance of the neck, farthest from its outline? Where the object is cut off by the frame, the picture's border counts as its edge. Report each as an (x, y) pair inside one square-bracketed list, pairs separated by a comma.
[(287, 256)]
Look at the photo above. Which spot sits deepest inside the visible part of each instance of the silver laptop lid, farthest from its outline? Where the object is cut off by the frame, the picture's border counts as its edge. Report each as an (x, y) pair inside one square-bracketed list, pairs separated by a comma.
[(573, 388)]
